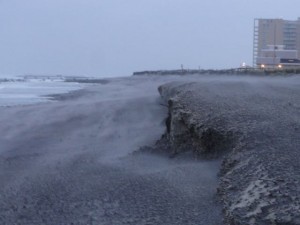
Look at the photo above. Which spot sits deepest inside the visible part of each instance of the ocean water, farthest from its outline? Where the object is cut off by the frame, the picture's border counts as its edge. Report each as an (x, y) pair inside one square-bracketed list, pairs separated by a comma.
[(33, 91)]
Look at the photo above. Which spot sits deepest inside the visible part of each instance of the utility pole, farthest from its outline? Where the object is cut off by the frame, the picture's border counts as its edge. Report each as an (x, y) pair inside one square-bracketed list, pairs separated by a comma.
[(275, 47)]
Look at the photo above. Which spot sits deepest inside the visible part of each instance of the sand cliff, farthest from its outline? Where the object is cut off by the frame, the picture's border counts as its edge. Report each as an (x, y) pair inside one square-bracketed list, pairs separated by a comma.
[(254, 125)]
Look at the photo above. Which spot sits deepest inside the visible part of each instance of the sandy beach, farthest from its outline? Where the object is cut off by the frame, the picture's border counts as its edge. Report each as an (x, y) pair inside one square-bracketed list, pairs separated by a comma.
[(71, 161), (155, 150)]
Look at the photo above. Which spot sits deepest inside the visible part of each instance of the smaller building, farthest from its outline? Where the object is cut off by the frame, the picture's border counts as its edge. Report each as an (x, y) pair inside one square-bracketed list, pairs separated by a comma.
[(276, 56)]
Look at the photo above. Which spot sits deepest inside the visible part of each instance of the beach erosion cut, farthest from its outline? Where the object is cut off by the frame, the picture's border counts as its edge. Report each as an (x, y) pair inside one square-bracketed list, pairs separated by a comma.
[(155, 150)]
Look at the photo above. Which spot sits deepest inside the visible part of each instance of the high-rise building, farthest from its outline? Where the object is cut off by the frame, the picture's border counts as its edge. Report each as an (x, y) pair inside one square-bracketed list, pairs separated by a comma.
[(276, 42)]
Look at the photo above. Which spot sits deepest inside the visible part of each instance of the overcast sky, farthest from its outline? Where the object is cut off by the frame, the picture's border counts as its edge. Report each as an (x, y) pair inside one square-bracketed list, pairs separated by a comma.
[(117, 37)]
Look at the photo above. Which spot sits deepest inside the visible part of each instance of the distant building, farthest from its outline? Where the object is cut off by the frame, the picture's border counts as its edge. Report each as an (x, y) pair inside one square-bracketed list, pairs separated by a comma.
[(276, 43)]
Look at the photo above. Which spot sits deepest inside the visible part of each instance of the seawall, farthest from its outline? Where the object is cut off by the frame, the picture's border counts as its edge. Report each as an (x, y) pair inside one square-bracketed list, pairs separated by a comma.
[(231, 71)]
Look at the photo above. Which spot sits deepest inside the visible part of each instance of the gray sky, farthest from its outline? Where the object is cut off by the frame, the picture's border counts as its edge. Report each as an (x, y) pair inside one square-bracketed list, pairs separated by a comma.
[(117, 37)]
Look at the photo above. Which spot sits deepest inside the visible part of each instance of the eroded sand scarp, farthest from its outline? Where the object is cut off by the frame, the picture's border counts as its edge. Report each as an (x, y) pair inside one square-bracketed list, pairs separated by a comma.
[(256, 122)]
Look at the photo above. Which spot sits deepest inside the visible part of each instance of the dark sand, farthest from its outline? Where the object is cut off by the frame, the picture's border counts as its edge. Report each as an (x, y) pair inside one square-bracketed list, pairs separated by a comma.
[(71, 162)]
